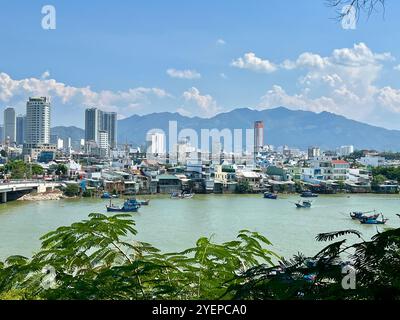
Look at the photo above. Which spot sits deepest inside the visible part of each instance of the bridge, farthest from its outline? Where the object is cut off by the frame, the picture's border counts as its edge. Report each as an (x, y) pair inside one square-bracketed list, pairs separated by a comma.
[(11, 190)]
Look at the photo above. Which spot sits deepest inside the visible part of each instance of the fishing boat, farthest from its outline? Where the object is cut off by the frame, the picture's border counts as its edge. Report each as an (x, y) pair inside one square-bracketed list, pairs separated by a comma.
[(181, 195), (367, 220), (268, 195), (107, 195), (304, 204), (356, 215), (130, 205), (144, 202), (308, 194)]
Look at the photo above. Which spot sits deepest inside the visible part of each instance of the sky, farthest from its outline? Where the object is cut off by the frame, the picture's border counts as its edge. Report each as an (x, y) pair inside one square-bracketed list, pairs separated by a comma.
[(200, 58)]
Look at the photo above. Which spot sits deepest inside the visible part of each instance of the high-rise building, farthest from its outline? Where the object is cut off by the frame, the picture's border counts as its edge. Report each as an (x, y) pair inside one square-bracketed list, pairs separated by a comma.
[(37, 121), (21, 125), (314, 152), (258, 135), (10, 126), (92, 124), (156, 143), (103, 140), (109, 124), (96, 121)]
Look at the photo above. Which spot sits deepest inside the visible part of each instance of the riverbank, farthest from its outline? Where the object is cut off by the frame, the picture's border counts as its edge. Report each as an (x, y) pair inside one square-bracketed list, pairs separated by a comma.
[(48, 196)]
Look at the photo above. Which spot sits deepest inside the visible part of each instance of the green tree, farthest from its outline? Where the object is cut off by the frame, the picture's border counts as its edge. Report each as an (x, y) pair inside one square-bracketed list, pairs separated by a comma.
[(243, 187), (18, 169), (37, 170), (71, 190), (99, 258), (61, 169)]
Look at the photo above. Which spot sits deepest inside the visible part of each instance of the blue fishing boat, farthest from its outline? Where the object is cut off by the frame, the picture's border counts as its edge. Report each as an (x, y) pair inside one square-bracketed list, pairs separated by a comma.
[(268, 195), (356, 215), (308, 194), (130, 205), (367, 220)]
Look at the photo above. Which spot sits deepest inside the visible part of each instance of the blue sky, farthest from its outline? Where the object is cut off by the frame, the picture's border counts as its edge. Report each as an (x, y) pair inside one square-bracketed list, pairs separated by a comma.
[(200, 58)]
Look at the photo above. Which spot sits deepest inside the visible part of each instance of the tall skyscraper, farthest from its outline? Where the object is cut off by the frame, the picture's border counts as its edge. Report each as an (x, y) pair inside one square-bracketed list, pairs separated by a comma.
[(92, 124), (258, 135), (10, 126), (109, 124), (156, 143), (21, 124), (96, 121), (37, 121)]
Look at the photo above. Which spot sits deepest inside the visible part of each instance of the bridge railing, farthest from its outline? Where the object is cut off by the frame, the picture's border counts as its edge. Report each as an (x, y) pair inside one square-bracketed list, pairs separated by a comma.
[(14, 182)]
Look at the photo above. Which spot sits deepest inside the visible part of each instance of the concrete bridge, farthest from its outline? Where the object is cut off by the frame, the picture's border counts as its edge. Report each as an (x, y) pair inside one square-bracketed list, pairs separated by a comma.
[(11, 190)]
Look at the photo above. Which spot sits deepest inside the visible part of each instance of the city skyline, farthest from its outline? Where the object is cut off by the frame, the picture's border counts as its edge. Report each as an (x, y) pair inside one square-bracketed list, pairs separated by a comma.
[(274, 59)]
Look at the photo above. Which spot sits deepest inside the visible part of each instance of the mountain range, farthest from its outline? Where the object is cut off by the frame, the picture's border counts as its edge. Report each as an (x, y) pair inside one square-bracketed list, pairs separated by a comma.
[(283, 126)]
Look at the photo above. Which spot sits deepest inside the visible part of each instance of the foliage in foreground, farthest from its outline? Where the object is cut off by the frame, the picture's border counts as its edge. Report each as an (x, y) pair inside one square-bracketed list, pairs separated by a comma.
[(99, 258)]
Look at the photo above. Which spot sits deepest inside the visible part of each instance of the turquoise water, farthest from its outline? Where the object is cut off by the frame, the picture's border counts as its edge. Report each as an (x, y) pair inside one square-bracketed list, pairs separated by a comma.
[(173, 225)]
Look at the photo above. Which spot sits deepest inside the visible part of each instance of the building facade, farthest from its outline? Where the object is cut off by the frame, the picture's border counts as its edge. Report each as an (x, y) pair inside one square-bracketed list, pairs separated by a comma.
[(109, 124), (92, 127), (96, 121), (258, 136), (38, 121), (156, 143), (21, 124), (10, 126)]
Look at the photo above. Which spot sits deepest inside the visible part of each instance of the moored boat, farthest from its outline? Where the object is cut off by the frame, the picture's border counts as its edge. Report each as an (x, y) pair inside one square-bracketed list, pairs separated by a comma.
[(107, 195), (367, 220), (268, 195), (304, 204), (181, 195), (144, 202), (130, 205), (362, 215), (308, 194)]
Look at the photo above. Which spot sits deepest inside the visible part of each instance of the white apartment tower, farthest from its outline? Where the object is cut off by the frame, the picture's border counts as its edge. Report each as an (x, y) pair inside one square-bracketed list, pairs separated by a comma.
[(37, 121), (156, 143)]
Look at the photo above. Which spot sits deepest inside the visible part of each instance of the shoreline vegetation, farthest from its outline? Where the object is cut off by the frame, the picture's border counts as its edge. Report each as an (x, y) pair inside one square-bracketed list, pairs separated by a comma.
[(75, 263)]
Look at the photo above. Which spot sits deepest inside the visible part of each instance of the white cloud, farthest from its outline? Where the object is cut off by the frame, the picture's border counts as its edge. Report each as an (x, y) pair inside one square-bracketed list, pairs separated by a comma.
[(16, 92), (343, 82), (390, 98), (397, 68), (208, 106), (45, 75), (251, 62), (221, 42), (223, 75), (183, 74)]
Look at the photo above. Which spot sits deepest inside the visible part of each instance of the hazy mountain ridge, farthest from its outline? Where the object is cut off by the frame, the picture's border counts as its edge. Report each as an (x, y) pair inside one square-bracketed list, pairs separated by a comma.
[(295, 128)]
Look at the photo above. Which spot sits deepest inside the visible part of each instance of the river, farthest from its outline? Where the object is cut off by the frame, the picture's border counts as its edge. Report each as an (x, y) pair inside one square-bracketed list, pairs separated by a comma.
[(173, 225)]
